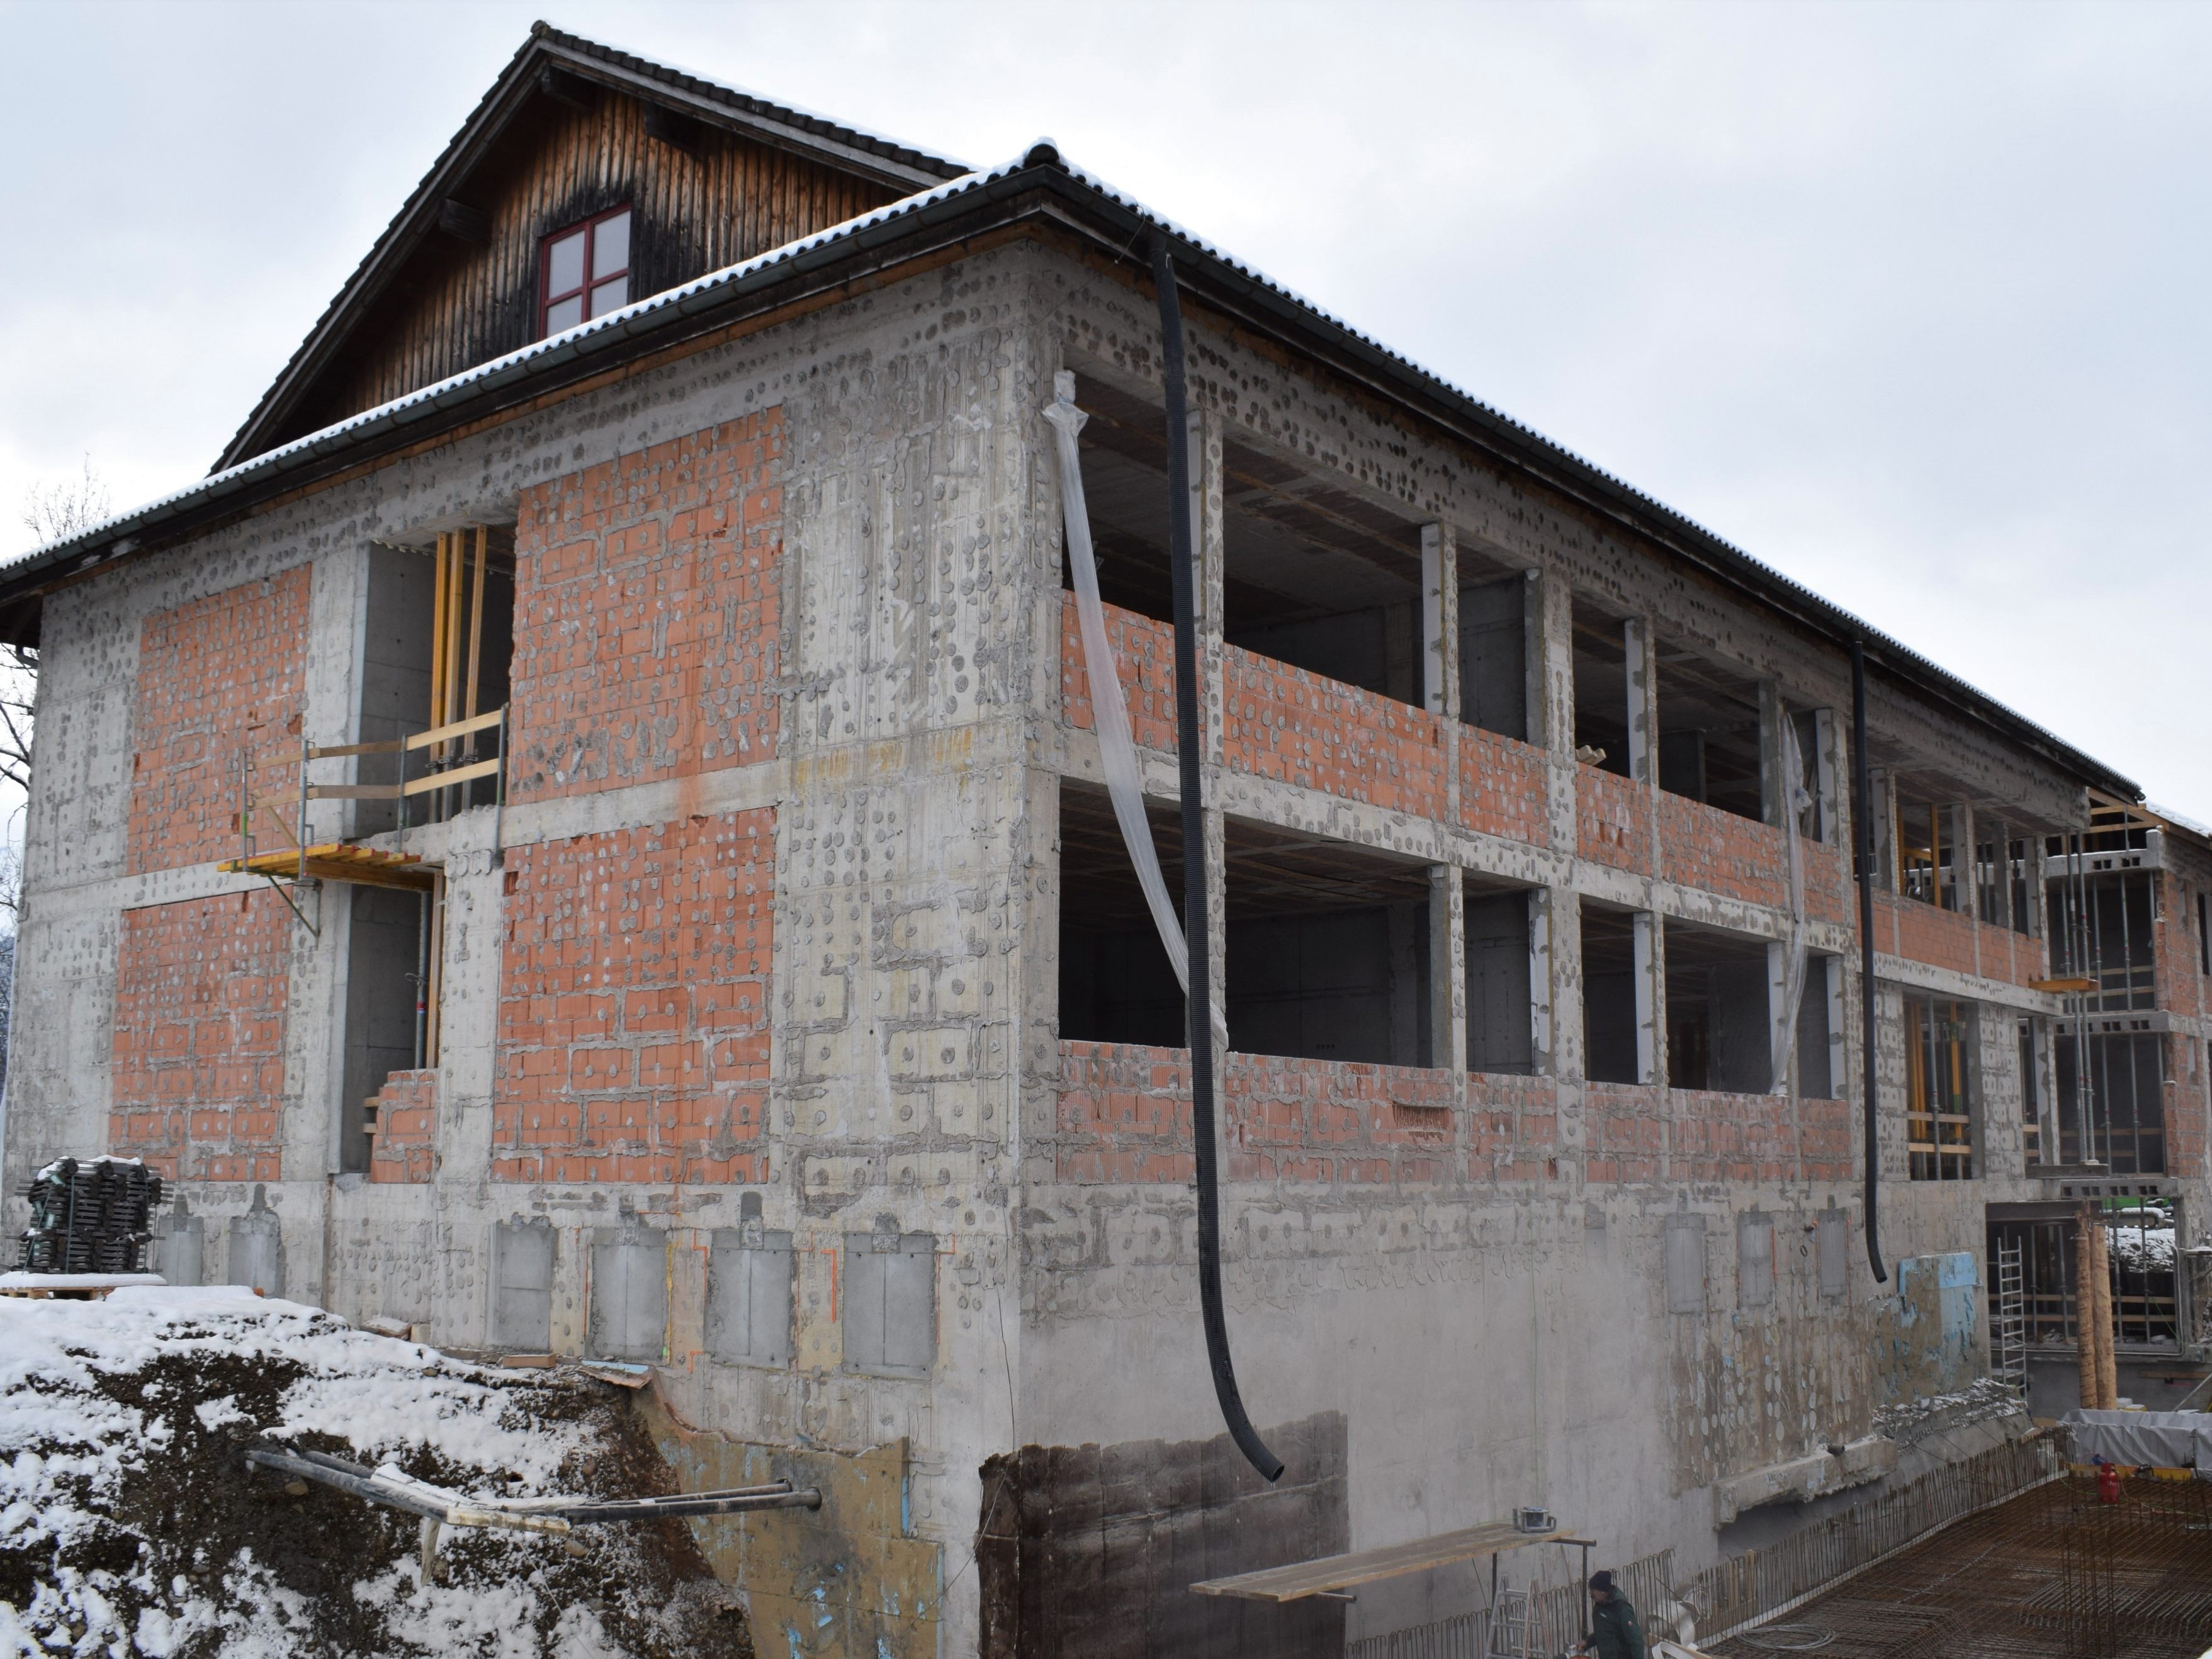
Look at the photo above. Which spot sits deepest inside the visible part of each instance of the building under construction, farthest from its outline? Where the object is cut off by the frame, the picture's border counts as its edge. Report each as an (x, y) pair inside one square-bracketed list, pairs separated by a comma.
[(596, 831)]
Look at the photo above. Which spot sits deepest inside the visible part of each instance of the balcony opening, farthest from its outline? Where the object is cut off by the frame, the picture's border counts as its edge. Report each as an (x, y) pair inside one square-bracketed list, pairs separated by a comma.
[(386, 941), (1116, 983), (2111, 1113), (438, 648), (1500, 1028), (1720, 1032), (1942, 1081), (1612, 1007), (1328, 950), (1312, 576), (1710, 734), (2101, 930), (1493, 646), (1600, 690)]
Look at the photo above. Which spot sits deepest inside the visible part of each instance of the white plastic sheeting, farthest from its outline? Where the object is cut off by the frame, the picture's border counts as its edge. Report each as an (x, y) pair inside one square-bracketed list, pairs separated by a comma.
[(1110, 713), (2165, 1440)]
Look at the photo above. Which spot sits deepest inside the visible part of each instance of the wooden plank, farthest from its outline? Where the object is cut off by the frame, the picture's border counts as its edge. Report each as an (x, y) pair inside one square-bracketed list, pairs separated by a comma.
[(458, 729), (332, 751), (476, 625), (352, 792), (483, 769), (1301, 1579)]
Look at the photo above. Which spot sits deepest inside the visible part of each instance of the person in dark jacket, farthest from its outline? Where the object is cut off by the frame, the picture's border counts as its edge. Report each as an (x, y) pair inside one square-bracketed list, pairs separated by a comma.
[(1614, 1632)]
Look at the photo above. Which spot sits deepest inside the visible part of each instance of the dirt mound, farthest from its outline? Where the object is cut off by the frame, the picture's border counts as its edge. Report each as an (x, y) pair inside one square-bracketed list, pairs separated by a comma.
[(129, 1522)]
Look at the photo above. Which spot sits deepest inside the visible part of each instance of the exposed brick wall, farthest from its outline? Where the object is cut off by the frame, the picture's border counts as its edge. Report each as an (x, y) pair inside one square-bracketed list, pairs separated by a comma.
[(1283, 723), (404, 1127), (1125, 1116), (200, 993), (633, 1017), (1725, 1137), (2181, 984), (1949, 939), (216, 677), (1626, 1129), (646, 614), (1723, 851), (1613, 819), (1143, 660), (1502, 789)]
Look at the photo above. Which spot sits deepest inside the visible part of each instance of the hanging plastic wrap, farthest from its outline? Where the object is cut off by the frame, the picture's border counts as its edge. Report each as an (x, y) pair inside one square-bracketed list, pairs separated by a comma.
[(1110, 713)]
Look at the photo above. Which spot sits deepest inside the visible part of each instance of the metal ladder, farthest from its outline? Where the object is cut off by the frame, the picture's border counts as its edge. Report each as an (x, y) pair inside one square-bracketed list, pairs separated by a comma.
[(2008, 1318), (1510, 1629)]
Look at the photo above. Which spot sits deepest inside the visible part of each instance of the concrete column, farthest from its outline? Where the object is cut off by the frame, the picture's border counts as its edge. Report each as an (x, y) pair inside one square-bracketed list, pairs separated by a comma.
[(1447, 891), (1642, 701), (1210, 556), (1650, 1000), (1777, 1011), (1832, 816), (1550, 638), (1447, 968), (2000, 837), (1555, 981), (1550, 658), (1440, 621), (1774, 788), (1216, 905)]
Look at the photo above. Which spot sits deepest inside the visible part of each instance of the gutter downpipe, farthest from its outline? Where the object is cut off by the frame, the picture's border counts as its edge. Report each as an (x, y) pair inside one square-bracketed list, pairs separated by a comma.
[(1197, 930), (1863, 828)]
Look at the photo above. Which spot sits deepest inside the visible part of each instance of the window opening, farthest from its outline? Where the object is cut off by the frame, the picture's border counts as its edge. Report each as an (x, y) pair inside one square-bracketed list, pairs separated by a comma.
[(1327, 950), (1711, 747), (2119, 1121), (1499, 1032), (1494, 649), (2141, 1239), (2024, 880), (1925, 854), (2101, 930), (1610, 994), (1992, 886), (1939, 1101), (1312, 576), (1600, 690), (1815, 1032), (585, 271), (1720, 1033)]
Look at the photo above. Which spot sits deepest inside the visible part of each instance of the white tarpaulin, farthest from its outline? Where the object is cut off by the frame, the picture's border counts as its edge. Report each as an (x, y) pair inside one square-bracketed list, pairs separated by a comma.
[(2165, 1440)]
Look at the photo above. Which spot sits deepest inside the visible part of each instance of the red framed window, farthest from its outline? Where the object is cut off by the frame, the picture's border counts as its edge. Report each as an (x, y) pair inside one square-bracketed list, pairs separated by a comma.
[(584, 271)]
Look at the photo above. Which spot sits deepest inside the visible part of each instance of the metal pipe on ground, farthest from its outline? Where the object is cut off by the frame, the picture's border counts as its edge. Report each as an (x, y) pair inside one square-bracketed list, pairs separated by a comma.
[(1196, 927)]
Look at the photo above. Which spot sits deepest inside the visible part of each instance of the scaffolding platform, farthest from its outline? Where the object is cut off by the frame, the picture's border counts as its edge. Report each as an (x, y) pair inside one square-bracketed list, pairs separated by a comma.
[(337, 861)]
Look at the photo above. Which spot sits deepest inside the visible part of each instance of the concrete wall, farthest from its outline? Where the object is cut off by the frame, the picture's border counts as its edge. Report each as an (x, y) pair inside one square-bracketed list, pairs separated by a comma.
[(767, 952)]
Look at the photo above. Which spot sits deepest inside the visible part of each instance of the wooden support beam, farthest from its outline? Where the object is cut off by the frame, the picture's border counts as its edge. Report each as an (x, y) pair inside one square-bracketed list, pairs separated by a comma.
[(463, 224), (476, 623)]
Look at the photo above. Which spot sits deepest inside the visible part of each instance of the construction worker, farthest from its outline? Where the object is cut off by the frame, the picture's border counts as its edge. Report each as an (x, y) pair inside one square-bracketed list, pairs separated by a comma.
[(1614, 1633)]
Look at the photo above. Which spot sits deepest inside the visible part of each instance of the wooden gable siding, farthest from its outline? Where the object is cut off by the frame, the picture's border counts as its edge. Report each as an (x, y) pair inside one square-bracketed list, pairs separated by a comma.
[(696, 210)]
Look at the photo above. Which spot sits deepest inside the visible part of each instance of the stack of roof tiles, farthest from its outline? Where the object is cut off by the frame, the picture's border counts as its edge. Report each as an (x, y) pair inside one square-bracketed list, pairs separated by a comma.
[(90, 1217)]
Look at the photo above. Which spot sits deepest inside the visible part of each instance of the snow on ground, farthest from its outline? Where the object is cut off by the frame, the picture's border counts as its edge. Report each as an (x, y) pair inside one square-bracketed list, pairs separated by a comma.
[(129, 1523)]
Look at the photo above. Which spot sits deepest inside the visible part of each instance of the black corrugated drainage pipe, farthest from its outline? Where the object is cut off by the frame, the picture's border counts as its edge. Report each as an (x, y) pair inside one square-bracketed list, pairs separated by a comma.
[(1863, 834), (1196, 931)]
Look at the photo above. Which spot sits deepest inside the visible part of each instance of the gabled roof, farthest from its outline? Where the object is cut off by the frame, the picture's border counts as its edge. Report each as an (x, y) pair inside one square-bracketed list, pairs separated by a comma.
[(886, 161), (1039, 190)]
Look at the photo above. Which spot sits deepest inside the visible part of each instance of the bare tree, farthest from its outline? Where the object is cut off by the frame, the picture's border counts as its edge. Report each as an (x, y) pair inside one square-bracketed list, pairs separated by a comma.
[(51, 513)]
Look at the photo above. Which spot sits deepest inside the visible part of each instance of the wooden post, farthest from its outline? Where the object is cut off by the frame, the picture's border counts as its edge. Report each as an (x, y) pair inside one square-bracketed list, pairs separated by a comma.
[(2085, 1307), (475, 626), (2108, 1374)]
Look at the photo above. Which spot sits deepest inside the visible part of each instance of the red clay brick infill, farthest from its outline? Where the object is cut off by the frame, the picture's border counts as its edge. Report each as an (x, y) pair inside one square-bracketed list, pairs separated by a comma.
[(646, 614), (216, 677), (1284, 723), (402, 1127), (1946, 939), (633, 1015), (1125, 1116), (1144, 657), (200, 991)]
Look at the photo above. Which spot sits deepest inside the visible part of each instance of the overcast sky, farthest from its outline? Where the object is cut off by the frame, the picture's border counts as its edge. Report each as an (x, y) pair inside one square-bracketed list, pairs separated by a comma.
[(1909, 301)]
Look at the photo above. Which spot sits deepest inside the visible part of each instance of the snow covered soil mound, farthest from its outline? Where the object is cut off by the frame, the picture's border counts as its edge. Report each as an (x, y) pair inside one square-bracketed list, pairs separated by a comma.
[(129, 1524)]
